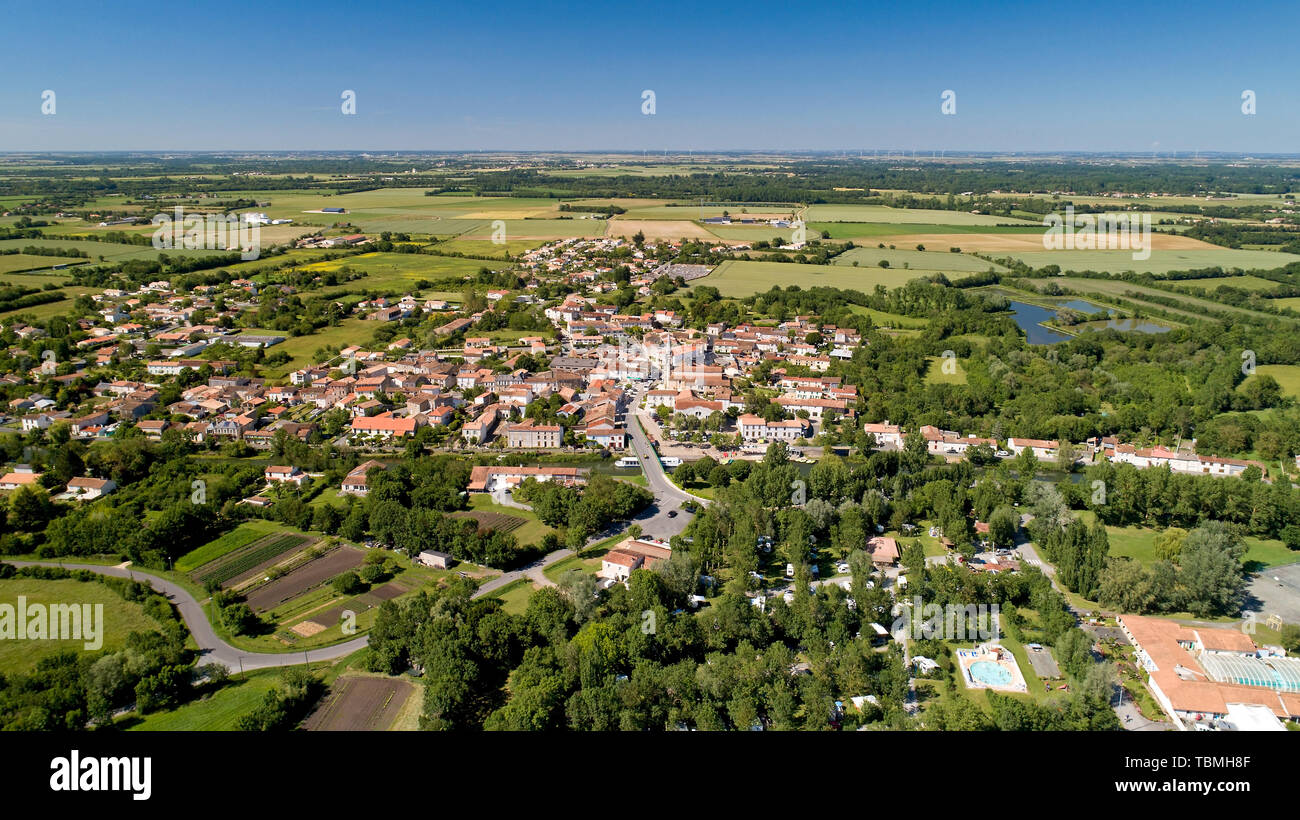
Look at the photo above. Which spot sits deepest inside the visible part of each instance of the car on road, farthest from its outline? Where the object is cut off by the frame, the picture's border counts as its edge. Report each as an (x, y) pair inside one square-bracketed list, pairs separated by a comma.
[(672, 513)]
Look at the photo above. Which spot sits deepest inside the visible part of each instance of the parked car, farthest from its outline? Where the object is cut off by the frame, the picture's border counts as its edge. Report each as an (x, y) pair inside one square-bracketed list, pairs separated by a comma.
[(789, 570)]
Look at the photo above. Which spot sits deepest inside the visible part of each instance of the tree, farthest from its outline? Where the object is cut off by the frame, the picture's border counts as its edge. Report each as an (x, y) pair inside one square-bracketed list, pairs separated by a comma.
[(1210, 574), (1169, 543), (1003, 524)]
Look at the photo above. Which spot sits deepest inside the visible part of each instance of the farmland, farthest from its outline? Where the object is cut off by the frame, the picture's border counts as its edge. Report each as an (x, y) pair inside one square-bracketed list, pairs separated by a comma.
[(737, 278), (1161, 261), (18, 262), (931, 259), (244, 563), (360, 703), (305, 577), (241, 536)]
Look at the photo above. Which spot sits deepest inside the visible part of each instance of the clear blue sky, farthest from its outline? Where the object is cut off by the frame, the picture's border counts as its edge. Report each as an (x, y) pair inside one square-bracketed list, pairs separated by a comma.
[(1092, 76)]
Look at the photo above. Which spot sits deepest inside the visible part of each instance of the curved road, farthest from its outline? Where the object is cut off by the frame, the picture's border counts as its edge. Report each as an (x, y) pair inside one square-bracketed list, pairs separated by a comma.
[(212, 649), (655, 522)]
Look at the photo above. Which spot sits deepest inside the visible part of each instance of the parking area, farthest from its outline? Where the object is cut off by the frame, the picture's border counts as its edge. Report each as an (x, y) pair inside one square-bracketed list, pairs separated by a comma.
[(1040, 657), (1275, 591)]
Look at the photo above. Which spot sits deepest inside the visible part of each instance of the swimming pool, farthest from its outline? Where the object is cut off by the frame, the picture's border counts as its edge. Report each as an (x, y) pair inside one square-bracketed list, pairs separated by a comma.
[(990, 673)]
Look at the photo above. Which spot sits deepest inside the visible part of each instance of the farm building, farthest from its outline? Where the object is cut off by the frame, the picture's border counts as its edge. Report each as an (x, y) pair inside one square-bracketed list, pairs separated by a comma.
[(435, 559)]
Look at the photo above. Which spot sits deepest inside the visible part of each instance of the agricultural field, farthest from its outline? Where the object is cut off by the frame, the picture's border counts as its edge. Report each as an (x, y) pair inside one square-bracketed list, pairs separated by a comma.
[(18, 262), (1192, 307), (1243, 282), (357, 703), (393, 271), (899, 216), (661, 229), (1292, 302), (1161, 261), (110, 251), (529, 531), (931, 259), (242, 564), (120, 618), (303, 578), (539, 230), (241, 536), (488, 248), (735, 278)]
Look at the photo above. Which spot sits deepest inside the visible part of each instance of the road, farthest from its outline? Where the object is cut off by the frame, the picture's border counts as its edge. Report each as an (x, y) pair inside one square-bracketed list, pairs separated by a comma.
[(655, 520), (212, 649)]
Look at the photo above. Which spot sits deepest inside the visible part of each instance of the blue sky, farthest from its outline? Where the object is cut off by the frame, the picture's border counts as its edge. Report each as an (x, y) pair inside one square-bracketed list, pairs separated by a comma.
[(1096, 76)]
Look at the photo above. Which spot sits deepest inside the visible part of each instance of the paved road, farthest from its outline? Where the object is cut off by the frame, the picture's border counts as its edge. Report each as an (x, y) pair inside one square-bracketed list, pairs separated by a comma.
[(212, 649), (532, 572), (655, 520)]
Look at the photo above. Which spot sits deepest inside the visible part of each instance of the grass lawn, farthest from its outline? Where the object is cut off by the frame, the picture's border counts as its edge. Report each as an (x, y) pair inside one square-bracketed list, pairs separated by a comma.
[(218, 712), (1138, 543), (303, 349), (514, 596), (1287, 376), (884, 319), (937, 375), (120, 618)]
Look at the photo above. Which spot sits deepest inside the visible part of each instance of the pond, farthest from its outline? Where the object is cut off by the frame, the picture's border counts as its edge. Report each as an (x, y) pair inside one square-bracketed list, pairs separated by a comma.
[(1028, 318)]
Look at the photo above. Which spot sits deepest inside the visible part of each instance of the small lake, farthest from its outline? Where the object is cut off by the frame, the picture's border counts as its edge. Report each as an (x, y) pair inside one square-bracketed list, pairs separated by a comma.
[(1028, 317)]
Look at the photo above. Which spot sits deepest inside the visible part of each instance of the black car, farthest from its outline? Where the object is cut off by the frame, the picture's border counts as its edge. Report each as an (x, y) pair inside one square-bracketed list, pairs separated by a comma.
[(672, 513)]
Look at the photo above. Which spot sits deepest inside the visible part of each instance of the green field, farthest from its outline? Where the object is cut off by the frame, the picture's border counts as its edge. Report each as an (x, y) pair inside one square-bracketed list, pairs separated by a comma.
[(1192, 307), (394, 271), (302, 349), (120, 618), (1160, 261), (901, 216), (514, 596), (1287, 376), (936, 374), (111, 251), (931, 259), (218, 712), (1138, 543), (15, 262), (1242, 282), (740, 278), (241, 536)]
